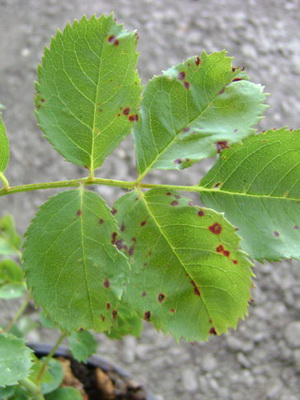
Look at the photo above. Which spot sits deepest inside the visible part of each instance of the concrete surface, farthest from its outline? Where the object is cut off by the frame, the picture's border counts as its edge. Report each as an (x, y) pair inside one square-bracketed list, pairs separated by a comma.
[(261, 360)]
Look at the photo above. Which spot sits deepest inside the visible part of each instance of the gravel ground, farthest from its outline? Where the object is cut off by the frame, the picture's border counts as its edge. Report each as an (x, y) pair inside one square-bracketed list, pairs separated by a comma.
[(261, 360)]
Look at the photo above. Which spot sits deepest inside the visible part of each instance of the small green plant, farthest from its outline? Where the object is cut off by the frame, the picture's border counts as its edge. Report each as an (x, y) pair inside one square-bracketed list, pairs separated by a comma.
[(154, 256)]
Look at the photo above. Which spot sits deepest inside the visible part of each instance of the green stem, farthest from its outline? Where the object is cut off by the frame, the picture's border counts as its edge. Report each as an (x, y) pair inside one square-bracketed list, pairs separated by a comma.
[(34, 389), (96, 181), (49, 356), (19, 313), (4, 180)]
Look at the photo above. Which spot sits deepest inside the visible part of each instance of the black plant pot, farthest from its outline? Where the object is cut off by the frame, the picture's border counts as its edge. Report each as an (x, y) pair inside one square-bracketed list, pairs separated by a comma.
[(134, 391)]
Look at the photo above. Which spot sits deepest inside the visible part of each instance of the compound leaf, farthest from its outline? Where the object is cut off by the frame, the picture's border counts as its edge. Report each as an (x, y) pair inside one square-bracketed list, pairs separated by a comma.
[(257, 185), (15, 360), (188, 276), (4, 147), (88, 89), (193, 111), (70, 264)]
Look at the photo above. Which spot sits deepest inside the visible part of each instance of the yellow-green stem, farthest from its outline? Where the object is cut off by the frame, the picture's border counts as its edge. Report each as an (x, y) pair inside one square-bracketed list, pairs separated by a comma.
[(19, 313)]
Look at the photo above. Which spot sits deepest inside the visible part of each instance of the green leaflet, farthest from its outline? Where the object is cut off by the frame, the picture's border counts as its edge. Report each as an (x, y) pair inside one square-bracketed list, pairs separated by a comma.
[(4, 148), (82, 345), (88, 90), (188, 277), (193, 111), (257, 184), (15, 360), (64, 393), (10, 241), (74, 272)]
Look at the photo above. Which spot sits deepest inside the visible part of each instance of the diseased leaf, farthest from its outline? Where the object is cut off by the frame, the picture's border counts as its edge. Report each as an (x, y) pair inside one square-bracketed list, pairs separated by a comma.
[(82, 345), (88, 89), (4, 147), (257, 185), (15, 360), (188, 277), (128, 323), (71, 267), (193, 111)]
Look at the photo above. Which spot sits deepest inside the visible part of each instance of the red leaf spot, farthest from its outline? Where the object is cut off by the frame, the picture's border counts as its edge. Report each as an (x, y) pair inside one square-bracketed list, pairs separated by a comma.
[(169, 194), (276, 234), (215, 228), (126, 111), (161, 297), (147, 316), (222, 91), (212, 331), (186, 159), (102, 317), (113, 237), (236, 79), (115, 314), (79, 212), (172, 310), (217, 184), (177, 161), (133, 117), (122, 227), (116, 43), (181, 75), (186, 84), (186, 129), (144, 294), (222, 144), (111, 39), (108, 306), (198, 61), (296, 227), (226, 253), (131, 250), (106, 283), (101, 221), (196, 290), (119, 244), (143, 223), (114, 211), (220, 249), (42, 100), (201, 213), (174, 203), (235, 261)]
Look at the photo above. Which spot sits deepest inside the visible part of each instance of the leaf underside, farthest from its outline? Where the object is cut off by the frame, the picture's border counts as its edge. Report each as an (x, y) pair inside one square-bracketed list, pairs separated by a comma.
[(4, 147), (75, 273), (194, 110), (88, 89), (257, 185), (188, 277)]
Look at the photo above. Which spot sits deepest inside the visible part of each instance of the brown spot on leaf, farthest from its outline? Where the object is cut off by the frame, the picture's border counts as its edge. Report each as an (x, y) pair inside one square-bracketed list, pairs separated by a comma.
[(144, 294), (216, 185), (108, 306), (79, 212), (220, 249), (101, 221), (147, 315), (212, 331), (198, 61), (131, 250), (177, 161), (196, 290), (235, 261), (115, 314), (143, 223), (172, 310), (236, 79), (126, 111), (122, 228), (296, 227), (215, 228), (133, 117), (119, 244), (161, 297), (181, 75), (106, 283), (116, 42), (186, 129), (276, 234), (222, 91), (111, 39), (113, 237), (174, 203), (201, 213), (221, 145), (114, 211), (226, 253), (102, 317), (186, 84), (168, 194)]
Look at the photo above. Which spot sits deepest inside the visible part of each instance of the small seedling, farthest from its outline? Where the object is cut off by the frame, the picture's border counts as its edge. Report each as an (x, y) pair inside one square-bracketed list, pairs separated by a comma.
[(153, 256)]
